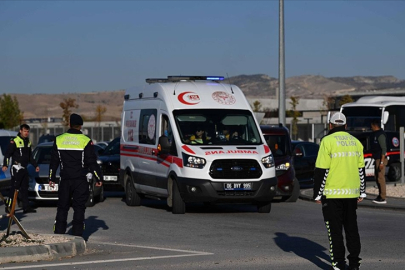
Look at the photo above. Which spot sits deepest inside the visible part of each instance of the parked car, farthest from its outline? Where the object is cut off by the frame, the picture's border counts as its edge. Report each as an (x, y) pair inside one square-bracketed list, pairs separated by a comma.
[(102, 144), (278, 139), (305, 154), (109, 161), (5, 137), (39, 189)]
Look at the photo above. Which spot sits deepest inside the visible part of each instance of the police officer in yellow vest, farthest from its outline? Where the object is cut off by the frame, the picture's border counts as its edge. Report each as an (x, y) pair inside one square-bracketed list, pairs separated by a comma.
[(74, 153), (339, 185), (18, 156)]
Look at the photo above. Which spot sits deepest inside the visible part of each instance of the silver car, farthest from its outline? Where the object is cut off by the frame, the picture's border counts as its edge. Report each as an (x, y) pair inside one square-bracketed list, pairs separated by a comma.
[(39, 189)]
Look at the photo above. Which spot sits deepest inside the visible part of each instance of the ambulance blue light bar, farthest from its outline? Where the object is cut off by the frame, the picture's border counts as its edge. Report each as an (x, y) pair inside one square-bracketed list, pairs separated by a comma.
[(186, 78)]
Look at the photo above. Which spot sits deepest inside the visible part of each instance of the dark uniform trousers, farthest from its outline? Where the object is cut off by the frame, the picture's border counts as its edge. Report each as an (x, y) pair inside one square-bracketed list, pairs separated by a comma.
[(19, 181), (339, 214), (75, 191)]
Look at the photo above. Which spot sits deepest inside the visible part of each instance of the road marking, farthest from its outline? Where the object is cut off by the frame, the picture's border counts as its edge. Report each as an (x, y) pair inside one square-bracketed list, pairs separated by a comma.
[(190, 254)]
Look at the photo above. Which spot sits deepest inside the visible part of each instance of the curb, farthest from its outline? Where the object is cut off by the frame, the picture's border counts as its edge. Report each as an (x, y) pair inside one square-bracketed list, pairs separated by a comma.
[(397, 204), (76, 246)]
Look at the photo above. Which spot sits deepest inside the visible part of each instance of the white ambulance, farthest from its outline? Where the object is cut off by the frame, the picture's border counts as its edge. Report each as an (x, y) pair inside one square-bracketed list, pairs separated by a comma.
[(193, 139)]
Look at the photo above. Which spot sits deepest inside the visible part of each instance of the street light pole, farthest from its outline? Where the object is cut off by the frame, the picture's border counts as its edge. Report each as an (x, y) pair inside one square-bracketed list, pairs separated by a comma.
[(281, 66)]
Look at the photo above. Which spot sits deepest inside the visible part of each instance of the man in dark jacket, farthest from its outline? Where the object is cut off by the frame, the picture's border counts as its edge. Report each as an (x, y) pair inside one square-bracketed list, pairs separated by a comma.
[(18, 156), (379, 150), (73, 152)]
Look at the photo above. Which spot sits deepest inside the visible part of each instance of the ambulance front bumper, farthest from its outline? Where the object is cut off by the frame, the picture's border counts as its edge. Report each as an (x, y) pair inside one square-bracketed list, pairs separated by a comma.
[(241, 191)]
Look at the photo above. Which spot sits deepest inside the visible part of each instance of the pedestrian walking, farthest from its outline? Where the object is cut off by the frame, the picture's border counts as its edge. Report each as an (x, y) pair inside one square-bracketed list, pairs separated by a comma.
[(339, 185), (379, 151), (73, 152), (18, 156)]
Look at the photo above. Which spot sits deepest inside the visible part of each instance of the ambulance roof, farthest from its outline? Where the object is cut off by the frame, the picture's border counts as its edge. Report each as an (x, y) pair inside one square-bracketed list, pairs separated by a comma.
[(191, 92)]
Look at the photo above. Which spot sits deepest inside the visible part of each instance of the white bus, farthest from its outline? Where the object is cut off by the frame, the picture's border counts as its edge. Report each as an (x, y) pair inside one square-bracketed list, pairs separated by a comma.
[(390, 111)]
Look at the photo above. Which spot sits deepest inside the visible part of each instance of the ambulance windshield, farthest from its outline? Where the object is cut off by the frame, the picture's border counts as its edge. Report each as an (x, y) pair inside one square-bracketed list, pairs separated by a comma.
[(217, 127)]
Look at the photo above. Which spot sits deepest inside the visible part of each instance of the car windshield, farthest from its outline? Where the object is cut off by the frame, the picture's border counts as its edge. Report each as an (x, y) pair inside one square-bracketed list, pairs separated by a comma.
[(359, 118), (113, 148), (42, 154), (217, 127), (279, 144)]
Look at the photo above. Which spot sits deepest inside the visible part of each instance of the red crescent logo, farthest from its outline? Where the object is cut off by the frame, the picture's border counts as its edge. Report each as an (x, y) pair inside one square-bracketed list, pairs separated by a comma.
[(181, 98)]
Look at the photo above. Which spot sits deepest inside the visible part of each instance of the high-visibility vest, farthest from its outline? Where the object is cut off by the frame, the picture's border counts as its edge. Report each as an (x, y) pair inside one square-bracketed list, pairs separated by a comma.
[(342, 155)]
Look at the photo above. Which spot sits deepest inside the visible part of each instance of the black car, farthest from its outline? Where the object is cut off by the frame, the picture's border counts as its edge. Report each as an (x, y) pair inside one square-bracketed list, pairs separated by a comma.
[(305, 154), (39, 189), (109, 161)]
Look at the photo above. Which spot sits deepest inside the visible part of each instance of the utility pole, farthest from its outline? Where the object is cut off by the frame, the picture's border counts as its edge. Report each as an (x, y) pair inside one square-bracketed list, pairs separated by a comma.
[(281, 66)]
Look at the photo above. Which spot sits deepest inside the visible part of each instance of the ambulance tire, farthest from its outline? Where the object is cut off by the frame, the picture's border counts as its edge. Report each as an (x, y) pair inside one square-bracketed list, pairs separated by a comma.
[(295, 194), (131, 197), (394, 172), (178, 205), (264, 207)]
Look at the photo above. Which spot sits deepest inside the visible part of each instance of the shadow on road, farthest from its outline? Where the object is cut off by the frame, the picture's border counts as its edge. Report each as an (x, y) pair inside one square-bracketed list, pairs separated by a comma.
[(303, 248)]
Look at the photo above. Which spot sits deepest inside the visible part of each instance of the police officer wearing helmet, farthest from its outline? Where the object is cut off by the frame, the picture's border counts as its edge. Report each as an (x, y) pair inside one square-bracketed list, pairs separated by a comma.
[(73, 152), (339, 185)]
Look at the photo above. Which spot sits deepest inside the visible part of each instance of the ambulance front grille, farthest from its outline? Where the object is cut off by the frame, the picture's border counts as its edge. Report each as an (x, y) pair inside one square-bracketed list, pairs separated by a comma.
[(235, 169)]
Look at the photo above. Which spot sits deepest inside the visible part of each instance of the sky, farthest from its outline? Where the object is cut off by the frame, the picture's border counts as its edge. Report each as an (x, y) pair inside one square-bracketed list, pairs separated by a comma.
[(54, 47)]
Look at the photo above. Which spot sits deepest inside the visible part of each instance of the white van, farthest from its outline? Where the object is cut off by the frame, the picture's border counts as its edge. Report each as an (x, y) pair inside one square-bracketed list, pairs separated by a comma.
[(163, 154), (5, 137)]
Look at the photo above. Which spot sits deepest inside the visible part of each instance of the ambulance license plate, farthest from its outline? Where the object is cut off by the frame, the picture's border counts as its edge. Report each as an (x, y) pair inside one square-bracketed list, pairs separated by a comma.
[(238, 186)]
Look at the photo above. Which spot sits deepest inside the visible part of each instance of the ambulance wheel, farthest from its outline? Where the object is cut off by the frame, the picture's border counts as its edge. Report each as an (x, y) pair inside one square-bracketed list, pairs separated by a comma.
[(295, 194), (91, 200), (131, 197), (178, 205), (394, 172), (264, 207)]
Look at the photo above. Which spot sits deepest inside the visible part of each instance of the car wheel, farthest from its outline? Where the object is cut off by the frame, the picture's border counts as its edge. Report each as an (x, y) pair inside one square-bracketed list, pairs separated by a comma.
[(131, 197), (90, 201), (101, 197), (178, 207), (296, 192), (394, 172), (264, 207)]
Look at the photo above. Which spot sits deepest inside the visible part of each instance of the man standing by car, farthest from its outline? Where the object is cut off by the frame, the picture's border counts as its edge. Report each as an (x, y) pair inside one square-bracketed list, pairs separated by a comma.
[(379, 150), (19, 151), (74, 152), (339, 185)]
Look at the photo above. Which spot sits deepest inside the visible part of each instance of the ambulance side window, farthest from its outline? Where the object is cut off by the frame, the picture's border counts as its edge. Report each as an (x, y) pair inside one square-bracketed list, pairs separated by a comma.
[(147, 126)]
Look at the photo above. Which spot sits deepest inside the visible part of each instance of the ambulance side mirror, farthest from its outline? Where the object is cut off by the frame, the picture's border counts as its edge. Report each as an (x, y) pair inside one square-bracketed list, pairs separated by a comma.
[(163, 146)]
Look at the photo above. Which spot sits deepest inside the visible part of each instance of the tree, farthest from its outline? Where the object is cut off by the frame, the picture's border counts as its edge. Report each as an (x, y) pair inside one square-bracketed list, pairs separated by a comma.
[(294, 113), (345, 99), (100, 111), (10, 114), (66, 105), (257, 106), (329, 103)]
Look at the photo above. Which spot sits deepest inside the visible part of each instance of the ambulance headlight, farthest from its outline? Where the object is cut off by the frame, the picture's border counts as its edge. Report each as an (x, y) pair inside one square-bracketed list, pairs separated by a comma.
[(268, 161), (193, 162)]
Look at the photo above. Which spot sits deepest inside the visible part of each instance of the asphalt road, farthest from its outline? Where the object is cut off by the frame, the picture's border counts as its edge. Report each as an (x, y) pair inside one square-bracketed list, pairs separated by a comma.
[(292, 236)]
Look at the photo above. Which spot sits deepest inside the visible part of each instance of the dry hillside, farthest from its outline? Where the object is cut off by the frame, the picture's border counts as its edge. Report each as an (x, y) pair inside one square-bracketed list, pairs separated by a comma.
[(254, 86), (47, 105)]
